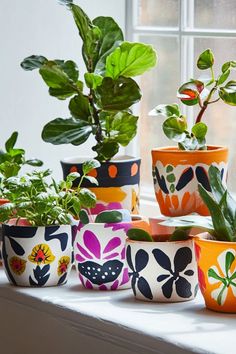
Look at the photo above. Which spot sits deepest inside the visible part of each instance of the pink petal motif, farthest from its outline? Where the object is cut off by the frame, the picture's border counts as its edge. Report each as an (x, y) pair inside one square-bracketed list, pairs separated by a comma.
[(125, 277), (113, 255), (103, 287), (101, 207), (81, 279), (115, 285), (79, 258), (83, 251), (113, 243), (92, 243), (88, 285), (119, 226), (123, 253)]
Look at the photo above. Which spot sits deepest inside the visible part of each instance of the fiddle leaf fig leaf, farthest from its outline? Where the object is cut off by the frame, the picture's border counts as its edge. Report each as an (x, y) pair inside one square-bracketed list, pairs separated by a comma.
[(228, 93), (123, 127), (10, 143), (119, 94), (205, 60), (62, 92), (130, 59), (106, 150), (92, 80), (66, 131), (33, 62), (166, 110), (174, 128), (53, 75), (79, 107)]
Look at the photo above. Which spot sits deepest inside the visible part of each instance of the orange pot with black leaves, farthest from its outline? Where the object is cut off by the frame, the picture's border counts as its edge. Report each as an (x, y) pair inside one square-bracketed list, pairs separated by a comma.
[(118, 182), (216, 272), (177, 173)]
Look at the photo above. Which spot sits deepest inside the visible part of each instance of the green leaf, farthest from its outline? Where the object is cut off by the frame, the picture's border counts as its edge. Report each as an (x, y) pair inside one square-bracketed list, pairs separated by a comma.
[(229, 65), (110, 216), (92, 80), (10, 143), (229, 259), (189, 221), (62, 93), (116, 95), (79, 107), (190, 91), (205, 60), (92, 180), (83, 216), (33, 62), (139, 235), (123, 127), (71, 177), (228, 93), (54, 76), (199, 130), (88, 166), (70, 68), (174, 128), (34, 162), (87, 198), (66, 131), (180, 234), (130, 59), (223, 77), (166, 110), (106, 150)]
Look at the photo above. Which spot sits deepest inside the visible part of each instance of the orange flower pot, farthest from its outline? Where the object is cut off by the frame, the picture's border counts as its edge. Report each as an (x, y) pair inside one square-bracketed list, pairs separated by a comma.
[(177, 173), (217, 273)]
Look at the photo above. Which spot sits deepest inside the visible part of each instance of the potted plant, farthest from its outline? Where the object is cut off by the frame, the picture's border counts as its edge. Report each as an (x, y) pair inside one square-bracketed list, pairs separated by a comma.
[(99, 105), (162, 267), (216, 248), (100, 249), (178, 170), (39, 226)]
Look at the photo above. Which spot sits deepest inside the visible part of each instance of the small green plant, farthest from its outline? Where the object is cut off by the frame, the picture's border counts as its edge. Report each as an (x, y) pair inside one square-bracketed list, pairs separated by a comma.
[(44, 202), (222, 208), (101, 104), (12, 159), (203, 94)]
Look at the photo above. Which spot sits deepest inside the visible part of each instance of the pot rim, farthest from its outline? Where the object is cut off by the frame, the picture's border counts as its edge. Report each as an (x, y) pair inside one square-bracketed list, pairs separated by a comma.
[(82, 158), (39, 226), (137, 219), (159, 242), (203, 237), (175, 149)]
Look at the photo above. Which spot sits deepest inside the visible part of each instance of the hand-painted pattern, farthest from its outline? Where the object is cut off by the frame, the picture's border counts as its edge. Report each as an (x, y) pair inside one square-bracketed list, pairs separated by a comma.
[(41, 254), (223, 275), (63, 265), (17, 265)]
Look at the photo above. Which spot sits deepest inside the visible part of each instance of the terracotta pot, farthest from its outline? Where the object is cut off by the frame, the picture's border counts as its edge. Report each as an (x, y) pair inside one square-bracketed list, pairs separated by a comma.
[(176, 175), (217, 273), (100, 254), (37, 256), (118, 182), (162, 271)]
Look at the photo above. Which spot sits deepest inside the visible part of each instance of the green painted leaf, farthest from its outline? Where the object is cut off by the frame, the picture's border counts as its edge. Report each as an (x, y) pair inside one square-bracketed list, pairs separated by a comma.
[(130, 59), (171, 178), (219, 297), (205, 60), (116, 95), (169, 168), (10, 143), (212, 274), (139, 235), (33, 62), (109, 216), (166, 110), (79, 107), (229, 259), (199, 130), (174, 128), (90, 165), (66, 131), (228, 93)]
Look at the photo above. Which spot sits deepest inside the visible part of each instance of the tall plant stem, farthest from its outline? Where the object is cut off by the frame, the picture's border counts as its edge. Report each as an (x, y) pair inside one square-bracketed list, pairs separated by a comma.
[(98, 135), (205, 104)]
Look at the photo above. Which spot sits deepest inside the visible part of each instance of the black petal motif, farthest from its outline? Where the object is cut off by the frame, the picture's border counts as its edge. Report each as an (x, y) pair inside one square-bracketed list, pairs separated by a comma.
[(144, 288), (62, 279), (162, 259), (18, 249), (202, 178), (141, 260), (133, 282), (62, 237), (183, 288), (162, 277), (189, 272), (128, 258), (40, 275), (100, 274), (167, 288), (161, 181), (182, 258), (185, 178)]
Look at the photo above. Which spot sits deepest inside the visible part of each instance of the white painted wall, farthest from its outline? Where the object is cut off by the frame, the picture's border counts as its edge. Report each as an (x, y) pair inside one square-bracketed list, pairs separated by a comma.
[(40, 27)]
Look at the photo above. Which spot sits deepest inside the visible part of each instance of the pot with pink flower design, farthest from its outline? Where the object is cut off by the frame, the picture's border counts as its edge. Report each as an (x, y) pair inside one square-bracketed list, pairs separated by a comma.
[(37, 256), (100, 254)]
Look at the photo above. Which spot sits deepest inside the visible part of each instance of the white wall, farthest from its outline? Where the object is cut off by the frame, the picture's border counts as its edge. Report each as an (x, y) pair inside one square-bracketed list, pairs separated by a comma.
[(40, 27)]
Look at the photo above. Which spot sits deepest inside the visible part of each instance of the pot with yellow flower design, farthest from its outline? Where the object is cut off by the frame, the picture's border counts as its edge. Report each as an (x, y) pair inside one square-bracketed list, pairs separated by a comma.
[(37, 256)]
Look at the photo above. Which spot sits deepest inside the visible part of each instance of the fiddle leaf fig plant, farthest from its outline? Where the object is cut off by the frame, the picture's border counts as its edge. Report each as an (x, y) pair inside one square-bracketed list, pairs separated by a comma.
[(42, 201), (100, 103), (203, 94)]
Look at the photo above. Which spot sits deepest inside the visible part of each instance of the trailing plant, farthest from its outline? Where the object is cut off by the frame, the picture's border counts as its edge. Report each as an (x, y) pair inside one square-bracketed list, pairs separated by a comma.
[(101, 104), (43, 201), (203, 94), (222, 208)]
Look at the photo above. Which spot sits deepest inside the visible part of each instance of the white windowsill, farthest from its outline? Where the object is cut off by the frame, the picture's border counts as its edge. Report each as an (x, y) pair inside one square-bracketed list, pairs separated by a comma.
[(70, 319)]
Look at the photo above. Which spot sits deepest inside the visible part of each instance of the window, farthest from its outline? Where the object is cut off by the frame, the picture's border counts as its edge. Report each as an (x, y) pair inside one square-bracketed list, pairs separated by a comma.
[(180, 30)]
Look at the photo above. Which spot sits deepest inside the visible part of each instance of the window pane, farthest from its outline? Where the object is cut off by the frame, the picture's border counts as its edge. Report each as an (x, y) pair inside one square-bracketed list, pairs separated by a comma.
[(158, 87), (220, 14), (220, 117), (163, 13)]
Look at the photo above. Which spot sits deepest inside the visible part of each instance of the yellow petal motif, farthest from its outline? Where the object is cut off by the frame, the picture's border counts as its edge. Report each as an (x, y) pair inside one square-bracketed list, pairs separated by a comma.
[(17, 265), (63, 265), (41, 254)]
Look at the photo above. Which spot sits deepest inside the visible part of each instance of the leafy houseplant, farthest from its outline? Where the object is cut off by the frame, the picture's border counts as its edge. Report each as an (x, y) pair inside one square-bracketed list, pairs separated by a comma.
[(216, 250), (103, 107), (40, 226)]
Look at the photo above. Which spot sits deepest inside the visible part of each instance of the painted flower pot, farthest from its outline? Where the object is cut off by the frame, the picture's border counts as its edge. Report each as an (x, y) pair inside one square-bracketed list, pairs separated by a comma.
[(217, 273), (2, 201), (118, 182), (100, 254), (177, 173), (162, 271), (37, 256)]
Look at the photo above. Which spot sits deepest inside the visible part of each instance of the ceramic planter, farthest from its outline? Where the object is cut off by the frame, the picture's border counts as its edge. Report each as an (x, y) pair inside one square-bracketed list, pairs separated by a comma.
[(2, 201), (176, 175), (100, 254), (118, 182), (162, 271), (217, 273), (37, 256)]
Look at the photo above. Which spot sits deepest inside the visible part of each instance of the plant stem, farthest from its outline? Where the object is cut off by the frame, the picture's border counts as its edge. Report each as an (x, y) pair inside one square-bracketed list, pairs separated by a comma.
[(98, 135), (205, 104)]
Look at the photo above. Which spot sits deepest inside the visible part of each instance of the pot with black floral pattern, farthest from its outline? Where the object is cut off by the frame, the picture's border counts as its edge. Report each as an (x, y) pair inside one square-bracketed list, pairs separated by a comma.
[(37, 256), (162, 271)]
